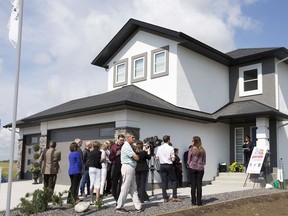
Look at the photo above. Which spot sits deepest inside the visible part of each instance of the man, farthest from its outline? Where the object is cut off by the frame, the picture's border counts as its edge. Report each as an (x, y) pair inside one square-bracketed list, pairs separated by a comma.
[(128, 161), (79, 145), (165, 154), (51, 158), (114, 157), (185, 159), (85, 177)]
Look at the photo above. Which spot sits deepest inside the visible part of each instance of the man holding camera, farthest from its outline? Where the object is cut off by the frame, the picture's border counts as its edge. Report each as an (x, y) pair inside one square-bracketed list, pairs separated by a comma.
[(165, 154)]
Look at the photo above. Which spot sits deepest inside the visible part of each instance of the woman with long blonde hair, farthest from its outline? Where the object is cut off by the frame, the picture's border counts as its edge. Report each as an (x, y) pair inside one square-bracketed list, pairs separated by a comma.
[(196, 163)]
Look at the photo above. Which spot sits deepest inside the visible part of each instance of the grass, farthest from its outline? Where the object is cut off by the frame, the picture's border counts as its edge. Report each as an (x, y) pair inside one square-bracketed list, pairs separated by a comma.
[(5, 169)]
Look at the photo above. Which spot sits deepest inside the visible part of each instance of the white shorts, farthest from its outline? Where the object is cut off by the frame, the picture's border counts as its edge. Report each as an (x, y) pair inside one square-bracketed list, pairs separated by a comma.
[(95, 177)]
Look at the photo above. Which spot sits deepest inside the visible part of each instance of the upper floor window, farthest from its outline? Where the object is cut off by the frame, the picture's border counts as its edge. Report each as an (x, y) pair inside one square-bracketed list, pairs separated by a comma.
[(120, 72), (160, 62), (139, 67), (250, 80)]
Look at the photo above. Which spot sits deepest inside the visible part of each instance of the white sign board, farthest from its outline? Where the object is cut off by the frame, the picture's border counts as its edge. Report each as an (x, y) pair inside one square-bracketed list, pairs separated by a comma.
[(256, 160)]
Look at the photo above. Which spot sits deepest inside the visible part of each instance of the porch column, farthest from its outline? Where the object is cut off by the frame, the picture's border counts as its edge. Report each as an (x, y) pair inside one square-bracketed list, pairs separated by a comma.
[(42, 143), (262, 134), (19, 158)]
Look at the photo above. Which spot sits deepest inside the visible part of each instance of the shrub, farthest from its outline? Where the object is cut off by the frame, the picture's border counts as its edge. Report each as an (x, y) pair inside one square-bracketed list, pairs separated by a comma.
[(236, 167), (39, 201), (34, 169), (99, 203)]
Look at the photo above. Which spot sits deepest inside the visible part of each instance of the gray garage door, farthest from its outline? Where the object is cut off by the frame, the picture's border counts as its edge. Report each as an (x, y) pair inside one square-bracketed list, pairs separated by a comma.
[(64, 137)]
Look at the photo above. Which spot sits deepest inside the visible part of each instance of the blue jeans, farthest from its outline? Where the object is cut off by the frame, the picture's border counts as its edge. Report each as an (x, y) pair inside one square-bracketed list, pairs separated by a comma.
[(85, 180)]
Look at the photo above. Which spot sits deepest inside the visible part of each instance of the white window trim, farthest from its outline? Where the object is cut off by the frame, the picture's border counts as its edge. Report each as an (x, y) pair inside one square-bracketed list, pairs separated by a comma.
[(243, 93), (124, 61), (166, 71), (135, 58)]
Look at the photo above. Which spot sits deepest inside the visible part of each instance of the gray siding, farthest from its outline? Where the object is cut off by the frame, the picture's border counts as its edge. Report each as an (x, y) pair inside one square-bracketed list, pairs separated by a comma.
[(268, 72)]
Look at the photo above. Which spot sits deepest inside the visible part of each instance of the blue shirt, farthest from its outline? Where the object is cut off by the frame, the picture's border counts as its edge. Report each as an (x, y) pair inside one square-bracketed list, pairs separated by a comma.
[(75, 163), (127, 154)]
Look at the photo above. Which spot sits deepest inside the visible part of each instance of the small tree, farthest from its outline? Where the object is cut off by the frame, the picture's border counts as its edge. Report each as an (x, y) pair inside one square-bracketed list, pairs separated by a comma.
[(35, 169), (36, 148)]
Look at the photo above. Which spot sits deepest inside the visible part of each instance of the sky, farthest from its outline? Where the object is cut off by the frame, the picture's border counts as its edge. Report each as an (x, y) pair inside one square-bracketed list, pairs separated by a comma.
[(61, 38)]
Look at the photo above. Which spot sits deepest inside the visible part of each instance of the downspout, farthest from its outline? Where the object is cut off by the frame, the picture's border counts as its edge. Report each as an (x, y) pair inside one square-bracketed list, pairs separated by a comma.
[(277, 83), (280, 176), (279, 169)]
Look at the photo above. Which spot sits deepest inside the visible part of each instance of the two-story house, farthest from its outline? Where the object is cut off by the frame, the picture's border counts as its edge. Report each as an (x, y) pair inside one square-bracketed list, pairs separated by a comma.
[(162, 82)]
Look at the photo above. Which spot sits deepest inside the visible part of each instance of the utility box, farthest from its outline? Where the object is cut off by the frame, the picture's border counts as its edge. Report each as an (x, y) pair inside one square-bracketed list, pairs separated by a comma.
[(222, 167)]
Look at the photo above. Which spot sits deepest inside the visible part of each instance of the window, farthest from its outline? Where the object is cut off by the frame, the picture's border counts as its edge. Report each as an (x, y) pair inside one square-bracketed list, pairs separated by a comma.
[(160, 62), (239, 135), (120, 73), (29, 150), (250, 80), (139, 67), (107, 132), (34, 140)]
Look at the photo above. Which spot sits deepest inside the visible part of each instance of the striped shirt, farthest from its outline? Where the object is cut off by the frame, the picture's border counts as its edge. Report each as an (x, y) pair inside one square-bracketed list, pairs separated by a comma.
[(127, 154)]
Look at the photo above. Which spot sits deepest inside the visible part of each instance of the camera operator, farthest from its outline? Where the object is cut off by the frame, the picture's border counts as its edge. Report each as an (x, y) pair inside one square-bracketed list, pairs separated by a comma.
[(142, 168)]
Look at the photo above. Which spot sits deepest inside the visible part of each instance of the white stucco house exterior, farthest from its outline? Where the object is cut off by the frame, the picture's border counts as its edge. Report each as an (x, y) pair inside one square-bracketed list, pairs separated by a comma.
[(160, 82)]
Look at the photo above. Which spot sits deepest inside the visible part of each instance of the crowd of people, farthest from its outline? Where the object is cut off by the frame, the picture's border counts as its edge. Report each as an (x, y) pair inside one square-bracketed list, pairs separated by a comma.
[(121, 168)]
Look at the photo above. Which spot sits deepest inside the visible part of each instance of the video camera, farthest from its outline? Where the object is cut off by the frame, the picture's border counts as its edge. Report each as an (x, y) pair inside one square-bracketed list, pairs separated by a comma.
[(153, 142)]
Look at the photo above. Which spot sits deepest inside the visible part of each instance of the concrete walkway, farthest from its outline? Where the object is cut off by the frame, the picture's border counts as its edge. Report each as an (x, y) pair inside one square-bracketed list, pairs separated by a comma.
[(20, 188)]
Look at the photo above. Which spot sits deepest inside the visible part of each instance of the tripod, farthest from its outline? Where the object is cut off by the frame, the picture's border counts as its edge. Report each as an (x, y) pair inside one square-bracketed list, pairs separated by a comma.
[(152, 168)]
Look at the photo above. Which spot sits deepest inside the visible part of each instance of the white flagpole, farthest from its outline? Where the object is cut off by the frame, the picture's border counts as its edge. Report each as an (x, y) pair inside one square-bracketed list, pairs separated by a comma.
[(16, 87)]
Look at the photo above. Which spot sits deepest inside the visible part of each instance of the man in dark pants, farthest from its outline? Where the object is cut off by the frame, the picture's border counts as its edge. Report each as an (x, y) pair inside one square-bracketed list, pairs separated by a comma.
[(165, 154), (51, 158), (85, 177), (185, 159), (114, 157)]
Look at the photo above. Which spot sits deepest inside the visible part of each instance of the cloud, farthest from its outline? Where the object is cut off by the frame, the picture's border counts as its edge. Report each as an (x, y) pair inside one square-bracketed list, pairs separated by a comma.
[(42, 58)]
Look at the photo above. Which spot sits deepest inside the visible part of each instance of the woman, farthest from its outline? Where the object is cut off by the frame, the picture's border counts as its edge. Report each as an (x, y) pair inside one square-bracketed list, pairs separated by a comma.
[(75, 173), (196, 163), (104, 159), (247, 150), (142, 169), (95, 171)]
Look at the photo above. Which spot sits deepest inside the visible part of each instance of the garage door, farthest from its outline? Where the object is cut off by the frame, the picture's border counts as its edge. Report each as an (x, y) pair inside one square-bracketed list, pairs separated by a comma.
[(64, 137)]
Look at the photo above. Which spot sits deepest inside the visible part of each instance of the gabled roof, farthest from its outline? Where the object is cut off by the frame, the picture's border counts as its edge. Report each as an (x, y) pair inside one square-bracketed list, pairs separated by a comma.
[(127, 97), (247, 111), (231, 58), (134, 98), (132, 26)]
